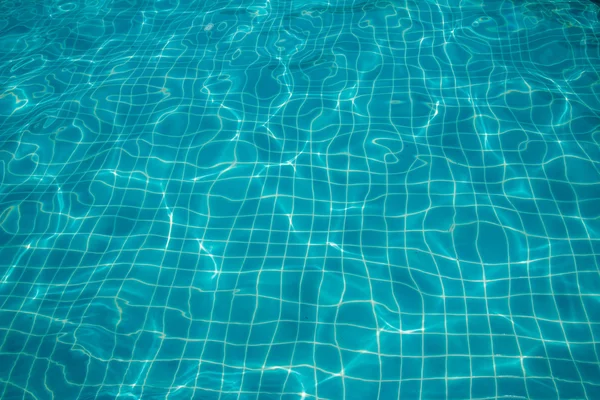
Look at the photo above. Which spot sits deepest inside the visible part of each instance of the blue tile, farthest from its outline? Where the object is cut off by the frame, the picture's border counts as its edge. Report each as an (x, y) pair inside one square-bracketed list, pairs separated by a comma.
[(299, 200)]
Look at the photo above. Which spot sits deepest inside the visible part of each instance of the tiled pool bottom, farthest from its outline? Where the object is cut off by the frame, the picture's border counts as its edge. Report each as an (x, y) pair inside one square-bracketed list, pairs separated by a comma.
[(299, 199)]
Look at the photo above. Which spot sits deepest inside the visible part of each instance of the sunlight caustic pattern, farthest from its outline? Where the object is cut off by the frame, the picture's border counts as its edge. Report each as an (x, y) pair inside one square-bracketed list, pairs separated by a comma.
[(333, 199)]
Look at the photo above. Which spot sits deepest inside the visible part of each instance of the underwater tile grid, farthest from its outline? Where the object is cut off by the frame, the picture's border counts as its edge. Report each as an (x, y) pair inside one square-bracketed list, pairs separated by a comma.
[(308, 199)]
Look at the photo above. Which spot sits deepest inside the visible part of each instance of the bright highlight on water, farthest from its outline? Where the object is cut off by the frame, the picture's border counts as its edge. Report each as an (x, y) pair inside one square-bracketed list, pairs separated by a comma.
[(308, 199)]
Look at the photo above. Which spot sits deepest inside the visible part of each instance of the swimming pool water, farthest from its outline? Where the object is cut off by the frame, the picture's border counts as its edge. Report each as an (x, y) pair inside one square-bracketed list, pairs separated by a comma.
[(332, 199)]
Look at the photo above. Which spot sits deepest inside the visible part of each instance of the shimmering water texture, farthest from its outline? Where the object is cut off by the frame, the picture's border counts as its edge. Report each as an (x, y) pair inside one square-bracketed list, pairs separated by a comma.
[(277, 199)]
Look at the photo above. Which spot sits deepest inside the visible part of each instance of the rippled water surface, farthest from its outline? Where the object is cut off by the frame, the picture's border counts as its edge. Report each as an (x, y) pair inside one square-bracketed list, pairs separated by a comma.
[(332, 199)]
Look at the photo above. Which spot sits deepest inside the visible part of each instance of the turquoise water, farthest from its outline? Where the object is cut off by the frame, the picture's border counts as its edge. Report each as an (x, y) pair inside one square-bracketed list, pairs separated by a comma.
[(299, 199)]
